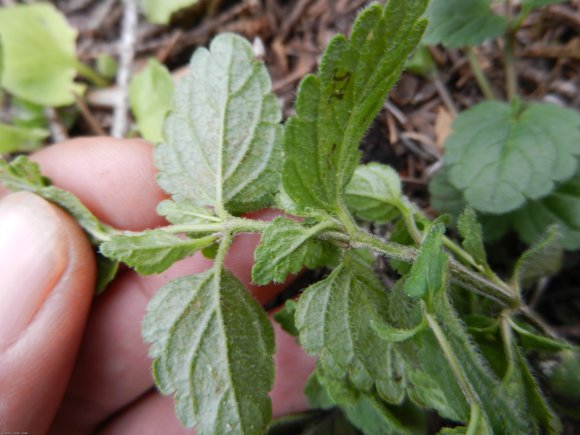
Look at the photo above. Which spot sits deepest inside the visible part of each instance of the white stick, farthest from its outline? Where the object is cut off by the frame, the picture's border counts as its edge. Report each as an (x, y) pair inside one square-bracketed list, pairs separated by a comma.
[(126, 55)]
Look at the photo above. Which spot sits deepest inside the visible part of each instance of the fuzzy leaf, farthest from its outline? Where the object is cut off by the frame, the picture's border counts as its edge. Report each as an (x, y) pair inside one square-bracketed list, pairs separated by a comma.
[(335, 107), (539, 409), (152, 251), (562, 208), (374, 193), (150, 95), (501, 156), (223, 138), (286, 317), (39, 54), (14, 138), (334, 318), (503, 414), (427, 274), (159, 12), (212, 346), (457, 23), (286, 247), (185, 212), (542, 259), (23, 174), (471, 231)]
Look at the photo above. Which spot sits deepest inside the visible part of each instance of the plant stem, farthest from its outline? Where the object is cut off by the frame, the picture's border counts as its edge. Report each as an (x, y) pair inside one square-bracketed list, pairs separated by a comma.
[(346, 219), (507, 338), (479, 75), (454, 364), (475, 416), (88, 73), (508, 54)]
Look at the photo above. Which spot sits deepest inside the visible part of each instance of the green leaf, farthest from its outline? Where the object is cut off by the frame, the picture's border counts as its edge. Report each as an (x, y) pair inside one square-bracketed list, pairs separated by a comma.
[(159, 12), (185, 213), (223, 138), (393, 335), (539, 410), (335, 107), (531, 340), (500, 157), (428, 273), (39, 54), (151, 96), (106, 272), (445, 197), (457, 23), (23, 174), (471, 231), (334, 318), (373, 417), (152, 251), (542, 259), (503, 414), (366, 411), (285, 317), (27, 114), (14, 138), (374, 193), (562, 208), (212, 346), (563, 375), (286, 247)]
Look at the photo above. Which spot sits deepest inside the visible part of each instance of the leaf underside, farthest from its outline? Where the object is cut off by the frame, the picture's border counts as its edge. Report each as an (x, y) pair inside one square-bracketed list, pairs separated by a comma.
[(212, 346), (222, 144)]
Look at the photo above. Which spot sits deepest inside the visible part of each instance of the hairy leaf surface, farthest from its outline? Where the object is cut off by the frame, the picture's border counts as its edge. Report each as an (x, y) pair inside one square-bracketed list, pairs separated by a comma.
[(427, 274), (501, 157), (542, 259), (39, 54), (150, 95), (23, 174), (457, 23), (223, 138), (152, 251), (212, 345), (286, 247), (471, 231), (374, 192), (503, 414), (334, 318), (335, 107), (185, 212)]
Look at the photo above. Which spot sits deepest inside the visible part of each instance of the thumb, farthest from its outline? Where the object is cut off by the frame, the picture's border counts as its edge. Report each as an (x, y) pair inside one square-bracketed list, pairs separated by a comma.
[(47, 273)]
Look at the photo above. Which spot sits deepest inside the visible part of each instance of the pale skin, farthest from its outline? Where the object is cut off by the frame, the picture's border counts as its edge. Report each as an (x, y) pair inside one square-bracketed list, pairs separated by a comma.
[(74, 364)]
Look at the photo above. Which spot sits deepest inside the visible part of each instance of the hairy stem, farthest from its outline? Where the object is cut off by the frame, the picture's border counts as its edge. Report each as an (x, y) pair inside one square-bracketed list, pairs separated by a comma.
[(454, 364), (508, 55), (500, 292)]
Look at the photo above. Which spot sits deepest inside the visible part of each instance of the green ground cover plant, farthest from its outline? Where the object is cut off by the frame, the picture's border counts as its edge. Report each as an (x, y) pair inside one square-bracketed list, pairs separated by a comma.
[(450, 335)]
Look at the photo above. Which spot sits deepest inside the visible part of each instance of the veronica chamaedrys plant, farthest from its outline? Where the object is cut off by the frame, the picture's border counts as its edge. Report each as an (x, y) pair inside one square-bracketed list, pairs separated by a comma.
[(386, 354)]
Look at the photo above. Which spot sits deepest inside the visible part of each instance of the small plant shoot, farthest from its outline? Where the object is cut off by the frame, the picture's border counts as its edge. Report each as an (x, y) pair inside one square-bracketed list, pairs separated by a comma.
[(388, 353)]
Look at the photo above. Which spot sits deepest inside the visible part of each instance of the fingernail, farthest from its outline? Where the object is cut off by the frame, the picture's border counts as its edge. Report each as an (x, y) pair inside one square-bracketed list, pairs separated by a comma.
[(33, 257)]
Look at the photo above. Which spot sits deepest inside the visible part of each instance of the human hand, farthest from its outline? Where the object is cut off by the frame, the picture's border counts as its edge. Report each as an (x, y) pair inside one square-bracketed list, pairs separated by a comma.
[(71, 363)]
